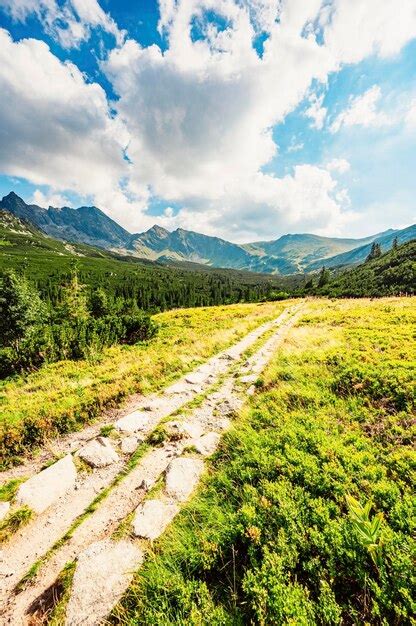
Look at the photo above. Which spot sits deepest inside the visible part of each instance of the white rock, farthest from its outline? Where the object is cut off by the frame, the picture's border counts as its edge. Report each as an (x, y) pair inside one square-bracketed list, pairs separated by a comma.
[(152, 517), (4, 509), (98, 453), (133, 422), (207, 444), (129, 444), (251, 390), (104, 571), (182, 477), (197, 378), (248, 379), (43, 489), (184, 429), (181, 388)]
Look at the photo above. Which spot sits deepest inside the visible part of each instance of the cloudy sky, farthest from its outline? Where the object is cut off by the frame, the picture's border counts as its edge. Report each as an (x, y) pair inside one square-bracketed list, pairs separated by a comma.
[(244, 119)]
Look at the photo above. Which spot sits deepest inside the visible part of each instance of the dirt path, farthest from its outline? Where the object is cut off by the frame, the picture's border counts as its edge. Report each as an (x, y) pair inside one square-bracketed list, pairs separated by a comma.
[(91, 542)]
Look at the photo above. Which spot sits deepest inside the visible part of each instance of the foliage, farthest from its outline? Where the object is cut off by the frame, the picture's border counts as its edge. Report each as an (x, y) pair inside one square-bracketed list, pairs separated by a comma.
[(392, 273), (282, 530), (69, 331), (61, 396), (20, 309)]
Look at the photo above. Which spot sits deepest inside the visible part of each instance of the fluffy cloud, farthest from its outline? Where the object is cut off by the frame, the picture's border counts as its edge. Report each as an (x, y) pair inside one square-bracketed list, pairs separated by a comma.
[(338, 165), (46, 200), (315, 111), (363, 111), (195, 119), (56, 129), (69, 22)]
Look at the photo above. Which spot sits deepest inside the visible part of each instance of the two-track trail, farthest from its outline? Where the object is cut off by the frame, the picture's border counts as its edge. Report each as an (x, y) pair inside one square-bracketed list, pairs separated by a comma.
[(64, 492)]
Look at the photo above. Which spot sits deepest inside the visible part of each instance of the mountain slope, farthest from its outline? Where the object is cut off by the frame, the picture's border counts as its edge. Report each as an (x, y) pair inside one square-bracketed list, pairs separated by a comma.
[(290, 254), (359, 254), (303, 249), (85, 225), (393, 273)]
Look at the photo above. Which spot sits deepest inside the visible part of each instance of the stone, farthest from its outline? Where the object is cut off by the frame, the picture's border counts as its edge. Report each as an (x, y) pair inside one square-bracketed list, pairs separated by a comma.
[(45, 488), (133, 422), (182, 477), (98, 453), (104, 571), (197, 378), (129, 444), (207, 444), (4, 509), (152, 517), (184, 429), (251, 390), (248, 379), (181, 388)]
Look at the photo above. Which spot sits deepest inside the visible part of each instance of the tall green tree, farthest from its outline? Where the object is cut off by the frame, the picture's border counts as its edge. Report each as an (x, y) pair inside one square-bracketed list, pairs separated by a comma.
[(20, 309), (324, 276)]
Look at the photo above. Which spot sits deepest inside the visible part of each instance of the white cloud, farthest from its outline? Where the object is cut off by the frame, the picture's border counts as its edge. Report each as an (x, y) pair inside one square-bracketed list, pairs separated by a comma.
[(410, 116), (363, 111), (69, 22), (198, 117), (56, 129), (355, 29), (46, 200), (338, 165), (316, 112)]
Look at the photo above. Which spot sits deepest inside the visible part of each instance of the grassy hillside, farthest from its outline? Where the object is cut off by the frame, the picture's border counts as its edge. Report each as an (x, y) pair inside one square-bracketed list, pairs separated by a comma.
[(48, 262), (393, 273), (273, 536), (60, 397)]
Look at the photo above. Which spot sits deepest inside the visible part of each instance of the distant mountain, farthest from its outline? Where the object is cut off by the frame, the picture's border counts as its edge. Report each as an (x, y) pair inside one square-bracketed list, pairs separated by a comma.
[(359, 254), (84, 225), (289, 254), (393, 273)]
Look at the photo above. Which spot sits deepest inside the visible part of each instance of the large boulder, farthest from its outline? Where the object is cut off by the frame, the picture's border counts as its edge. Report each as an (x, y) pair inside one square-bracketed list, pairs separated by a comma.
[(104, 571), (98, 453), (45, 488), (152, 517), (182, 476)]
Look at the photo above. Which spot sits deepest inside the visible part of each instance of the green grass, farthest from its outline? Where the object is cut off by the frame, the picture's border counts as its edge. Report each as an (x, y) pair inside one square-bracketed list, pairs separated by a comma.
[(63, 396), (9, 489), (307, 515), (15, 520)]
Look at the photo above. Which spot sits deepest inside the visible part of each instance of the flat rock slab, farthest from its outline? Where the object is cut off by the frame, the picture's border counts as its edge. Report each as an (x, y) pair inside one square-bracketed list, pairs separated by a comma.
[(181, 388), (129, 444), (207, 444), (198, 378), (182, 477), (248, 379), (104, 571), (152, 517), (43, 489), (4, 509), (184, 429), (138, 420), (98, 453)]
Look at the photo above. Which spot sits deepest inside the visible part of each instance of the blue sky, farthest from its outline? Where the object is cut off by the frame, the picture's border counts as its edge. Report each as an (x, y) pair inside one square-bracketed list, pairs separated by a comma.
[(244, 119)]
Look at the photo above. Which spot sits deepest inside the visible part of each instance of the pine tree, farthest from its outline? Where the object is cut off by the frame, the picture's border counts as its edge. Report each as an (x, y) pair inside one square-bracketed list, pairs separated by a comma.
[(20, 309), (395, 243), (323, 277)]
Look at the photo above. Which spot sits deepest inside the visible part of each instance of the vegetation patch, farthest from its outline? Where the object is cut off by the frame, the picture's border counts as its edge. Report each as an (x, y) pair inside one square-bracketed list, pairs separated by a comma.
[(61, 397), (15, 520), (306, 517)]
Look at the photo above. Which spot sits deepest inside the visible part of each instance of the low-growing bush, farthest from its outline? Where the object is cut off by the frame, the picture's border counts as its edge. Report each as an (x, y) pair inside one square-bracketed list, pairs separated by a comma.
[(32, 336)]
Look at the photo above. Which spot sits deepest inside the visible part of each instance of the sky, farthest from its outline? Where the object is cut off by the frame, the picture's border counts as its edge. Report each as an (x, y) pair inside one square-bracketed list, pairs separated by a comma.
[(243, 119)]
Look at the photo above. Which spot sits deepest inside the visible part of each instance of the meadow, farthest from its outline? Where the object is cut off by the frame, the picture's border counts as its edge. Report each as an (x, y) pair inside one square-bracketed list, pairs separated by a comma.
[(61, 397), (307, 514)]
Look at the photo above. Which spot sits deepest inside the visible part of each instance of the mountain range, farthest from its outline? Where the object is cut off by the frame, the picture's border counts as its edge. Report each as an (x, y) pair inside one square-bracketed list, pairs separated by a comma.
[(289, 254)]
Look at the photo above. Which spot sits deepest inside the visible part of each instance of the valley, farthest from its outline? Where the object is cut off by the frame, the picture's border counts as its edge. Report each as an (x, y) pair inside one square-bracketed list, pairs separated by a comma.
[(290, 254)]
